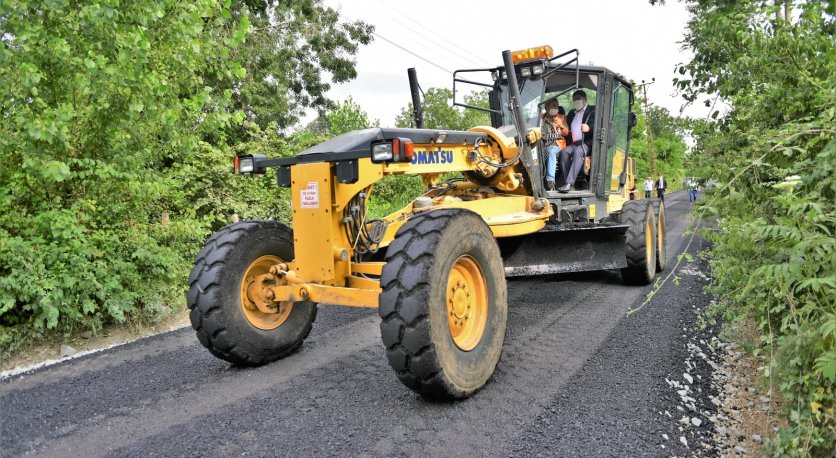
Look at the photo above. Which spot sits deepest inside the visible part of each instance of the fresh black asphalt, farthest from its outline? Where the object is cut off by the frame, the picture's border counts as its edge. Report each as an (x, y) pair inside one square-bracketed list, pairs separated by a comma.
[(578, 377)]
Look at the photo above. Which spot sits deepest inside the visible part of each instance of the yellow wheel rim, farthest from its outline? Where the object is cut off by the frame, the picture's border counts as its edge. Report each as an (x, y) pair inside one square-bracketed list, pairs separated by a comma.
[(467, 303), (258, 308), (648, 241)]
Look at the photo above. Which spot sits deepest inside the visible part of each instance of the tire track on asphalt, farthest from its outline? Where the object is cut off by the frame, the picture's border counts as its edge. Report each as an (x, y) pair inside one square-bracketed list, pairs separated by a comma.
[(360, 387), (534, 366), (526, 379), (101, 432)]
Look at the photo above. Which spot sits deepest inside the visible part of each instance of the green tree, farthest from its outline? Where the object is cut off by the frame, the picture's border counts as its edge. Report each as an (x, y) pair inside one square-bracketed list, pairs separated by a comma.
[(120, 121), (668, 145), (295, 52), (774, 156), (97, 100), (439, 112), (346, 117)]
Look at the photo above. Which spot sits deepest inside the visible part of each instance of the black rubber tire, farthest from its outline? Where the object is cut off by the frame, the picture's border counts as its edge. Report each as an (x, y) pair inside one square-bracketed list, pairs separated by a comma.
[(414, 329), (214, 295), (661, 235), (641, 264)]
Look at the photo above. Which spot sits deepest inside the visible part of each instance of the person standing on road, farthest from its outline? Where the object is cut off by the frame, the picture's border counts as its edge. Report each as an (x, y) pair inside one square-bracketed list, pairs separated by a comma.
[(661, 185), (648, 188), (692, 189)]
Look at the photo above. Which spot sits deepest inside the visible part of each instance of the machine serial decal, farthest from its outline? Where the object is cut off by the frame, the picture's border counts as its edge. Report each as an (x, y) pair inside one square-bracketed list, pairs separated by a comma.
[(433, 157)]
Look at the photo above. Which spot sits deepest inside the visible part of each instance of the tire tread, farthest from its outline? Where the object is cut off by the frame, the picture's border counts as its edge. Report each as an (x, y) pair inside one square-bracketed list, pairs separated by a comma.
[(206, 317)]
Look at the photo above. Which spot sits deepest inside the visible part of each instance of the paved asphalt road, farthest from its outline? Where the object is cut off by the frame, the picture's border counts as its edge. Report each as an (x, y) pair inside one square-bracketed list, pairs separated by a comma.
[(577, 378)]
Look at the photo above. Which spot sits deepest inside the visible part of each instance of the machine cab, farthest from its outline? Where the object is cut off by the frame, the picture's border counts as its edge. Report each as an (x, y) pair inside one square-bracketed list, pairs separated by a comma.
[(542, 77)]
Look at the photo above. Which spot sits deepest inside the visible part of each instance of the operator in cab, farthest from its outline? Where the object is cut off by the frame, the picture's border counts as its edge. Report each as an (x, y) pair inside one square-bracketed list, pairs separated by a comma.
[(580, 121), (554, 131)]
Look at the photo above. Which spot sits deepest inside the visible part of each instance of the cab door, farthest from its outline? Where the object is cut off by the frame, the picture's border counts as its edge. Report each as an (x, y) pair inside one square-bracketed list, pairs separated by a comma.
[(617, 137)]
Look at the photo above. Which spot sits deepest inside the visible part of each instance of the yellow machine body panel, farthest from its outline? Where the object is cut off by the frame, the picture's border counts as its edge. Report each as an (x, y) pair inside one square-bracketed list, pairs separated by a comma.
[(322, 269), (314, 235), (616, 201)]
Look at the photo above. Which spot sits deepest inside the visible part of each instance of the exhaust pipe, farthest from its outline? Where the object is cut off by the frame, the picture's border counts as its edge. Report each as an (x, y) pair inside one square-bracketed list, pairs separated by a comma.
[(417, 109)]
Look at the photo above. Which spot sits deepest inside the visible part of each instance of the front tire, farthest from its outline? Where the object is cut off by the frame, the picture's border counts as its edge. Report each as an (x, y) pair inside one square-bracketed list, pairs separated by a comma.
[(226, 318), (444, 304), (640, 243)]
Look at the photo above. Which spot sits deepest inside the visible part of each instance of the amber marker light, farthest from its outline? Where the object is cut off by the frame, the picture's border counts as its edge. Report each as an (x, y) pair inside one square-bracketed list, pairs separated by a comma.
[(539, 52)]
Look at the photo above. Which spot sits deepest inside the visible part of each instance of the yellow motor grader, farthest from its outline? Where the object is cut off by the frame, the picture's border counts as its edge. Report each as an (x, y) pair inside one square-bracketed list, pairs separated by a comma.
[(435, 269)]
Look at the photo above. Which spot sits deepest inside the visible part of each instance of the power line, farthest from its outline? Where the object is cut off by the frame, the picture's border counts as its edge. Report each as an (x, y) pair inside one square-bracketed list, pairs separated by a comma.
[(410, 52), (426, 40), (466, 56)]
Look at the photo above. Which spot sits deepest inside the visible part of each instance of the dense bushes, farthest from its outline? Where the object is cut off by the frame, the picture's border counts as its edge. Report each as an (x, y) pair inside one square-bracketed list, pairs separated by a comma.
[(774, 156), (119, 122), (97, 100)]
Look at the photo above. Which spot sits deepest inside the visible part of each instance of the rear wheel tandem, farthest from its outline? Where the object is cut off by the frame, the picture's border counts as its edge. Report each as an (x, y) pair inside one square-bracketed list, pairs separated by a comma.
[(641, 242), (443, 303), (661, 235), (232, 317)]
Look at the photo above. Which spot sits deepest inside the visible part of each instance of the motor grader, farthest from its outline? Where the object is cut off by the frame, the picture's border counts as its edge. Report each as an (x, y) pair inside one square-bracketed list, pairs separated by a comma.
[(436, 269)]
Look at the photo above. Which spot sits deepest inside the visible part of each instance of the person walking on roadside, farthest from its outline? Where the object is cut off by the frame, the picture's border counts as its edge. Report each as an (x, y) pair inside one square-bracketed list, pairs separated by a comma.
[(691, 184), (648, 188), (661, 185)]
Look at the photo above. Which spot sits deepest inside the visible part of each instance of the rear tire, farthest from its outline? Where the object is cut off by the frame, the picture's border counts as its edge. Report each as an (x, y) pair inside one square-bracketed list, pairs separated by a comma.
[(218, 314), (443, 304), (641, 242), (661, 235)]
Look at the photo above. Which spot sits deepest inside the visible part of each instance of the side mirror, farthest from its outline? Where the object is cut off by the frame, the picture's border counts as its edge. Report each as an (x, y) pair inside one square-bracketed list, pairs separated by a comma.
[(631, 119)]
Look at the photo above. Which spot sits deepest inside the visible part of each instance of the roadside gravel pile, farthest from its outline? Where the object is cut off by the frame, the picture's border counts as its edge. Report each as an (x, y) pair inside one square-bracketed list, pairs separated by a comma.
[(747, 412), (694, 415), (719, 411)]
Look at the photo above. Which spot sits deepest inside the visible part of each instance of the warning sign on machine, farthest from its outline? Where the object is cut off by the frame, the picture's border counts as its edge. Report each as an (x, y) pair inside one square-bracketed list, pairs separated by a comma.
[(310, 196)]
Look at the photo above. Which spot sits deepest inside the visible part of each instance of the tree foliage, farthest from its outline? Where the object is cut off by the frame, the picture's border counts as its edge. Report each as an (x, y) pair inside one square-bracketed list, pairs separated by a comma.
[(96, 100), (439, 112), (668, 147), (774, 156), (119, 123), (295, 52)]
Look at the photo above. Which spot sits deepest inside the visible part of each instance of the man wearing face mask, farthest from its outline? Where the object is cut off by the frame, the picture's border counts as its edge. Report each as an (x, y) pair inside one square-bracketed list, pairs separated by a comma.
[(580, 121), (554, 132)]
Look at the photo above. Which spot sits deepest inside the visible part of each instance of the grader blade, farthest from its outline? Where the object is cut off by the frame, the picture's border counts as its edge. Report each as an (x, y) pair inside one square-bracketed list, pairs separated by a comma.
[(562, 249)]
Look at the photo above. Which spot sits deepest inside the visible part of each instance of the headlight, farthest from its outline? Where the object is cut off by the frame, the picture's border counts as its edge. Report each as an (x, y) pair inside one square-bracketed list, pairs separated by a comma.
[(382, 152), (399, 149), (245, 165), (250, 164), (525, 71), (538, 69)]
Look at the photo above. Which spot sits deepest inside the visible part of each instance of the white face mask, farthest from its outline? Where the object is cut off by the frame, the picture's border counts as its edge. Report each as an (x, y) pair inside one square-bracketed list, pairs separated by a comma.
[(553, 112), (578, 104)]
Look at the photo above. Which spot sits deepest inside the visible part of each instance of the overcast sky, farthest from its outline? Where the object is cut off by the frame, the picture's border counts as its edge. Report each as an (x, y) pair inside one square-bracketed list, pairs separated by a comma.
[(628, 36)]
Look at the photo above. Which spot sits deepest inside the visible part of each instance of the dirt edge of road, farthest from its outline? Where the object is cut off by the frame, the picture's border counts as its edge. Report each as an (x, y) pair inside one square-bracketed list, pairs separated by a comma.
[(750, 406), (54, 349)]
